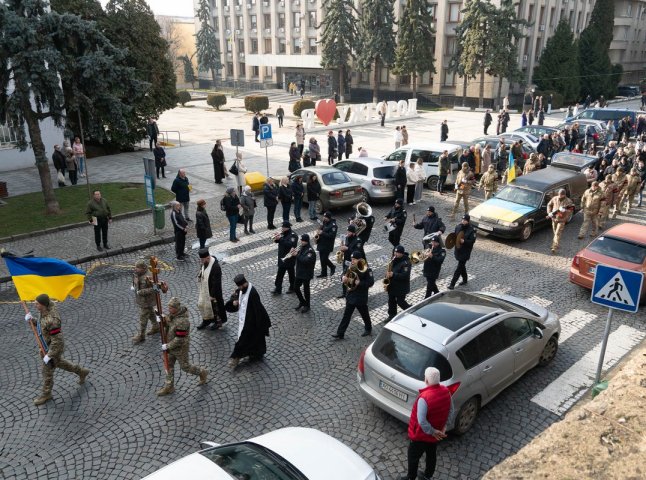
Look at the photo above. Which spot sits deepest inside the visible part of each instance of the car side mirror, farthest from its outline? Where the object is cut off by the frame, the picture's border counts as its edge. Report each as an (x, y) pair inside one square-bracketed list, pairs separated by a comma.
[(538, 333)]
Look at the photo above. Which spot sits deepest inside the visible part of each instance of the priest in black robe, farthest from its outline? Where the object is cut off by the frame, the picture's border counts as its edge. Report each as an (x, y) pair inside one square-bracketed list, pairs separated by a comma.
[(253, 322)]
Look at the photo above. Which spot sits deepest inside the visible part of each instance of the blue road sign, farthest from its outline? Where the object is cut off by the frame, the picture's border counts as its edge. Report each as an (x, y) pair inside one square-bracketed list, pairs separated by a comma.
[(150, 190), (265, 132), (617, 288)]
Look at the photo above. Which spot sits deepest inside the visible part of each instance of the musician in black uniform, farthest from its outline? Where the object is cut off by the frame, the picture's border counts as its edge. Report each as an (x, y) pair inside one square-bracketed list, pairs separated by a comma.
[(352, 244), (357, 297), (433, 265), (399, 287), (431, 223), (364, 235), (286, 241), (305, 263), (325, 245), (463, 246), (396, 217)]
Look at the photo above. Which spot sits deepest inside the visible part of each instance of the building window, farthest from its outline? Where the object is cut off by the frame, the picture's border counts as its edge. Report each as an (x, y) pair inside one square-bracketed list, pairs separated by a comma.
[(241, 45), (239, 22), (229, 46), (383, 75), (296, 19), (266, 20), (449, 78), (312, 20), (454, 12), (216, 23), (269, 71), (364, 77), (8, 136), (230, 69), (281, 20), (267, 45), (450, 45), (404, 80), (425, 79), (227, 23), (282, 47), (629, 9), (313, 50), (242, 69), (255, 71), (254, 21), (296, 45), (254, 45)]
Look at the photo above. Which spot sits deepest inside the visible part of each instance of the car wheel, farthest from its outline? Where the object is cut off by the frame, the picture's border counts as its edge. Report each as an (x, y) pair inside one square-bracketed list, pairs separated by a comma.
[(549, 352), (466, 416), (319, 207), (526, 232), (365, 197), (431, 183)]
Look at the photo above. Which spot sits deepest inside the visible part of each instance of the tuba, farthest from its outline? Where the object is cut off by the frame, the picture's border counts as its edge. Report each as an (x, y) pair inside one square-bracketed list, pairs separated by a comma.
[(362, 210)]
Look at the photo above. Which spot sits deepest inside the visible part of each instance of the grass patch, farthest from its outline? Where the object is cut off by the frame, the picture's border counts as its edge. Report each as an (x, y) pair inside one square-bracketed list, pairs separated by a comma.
[(26, 213)]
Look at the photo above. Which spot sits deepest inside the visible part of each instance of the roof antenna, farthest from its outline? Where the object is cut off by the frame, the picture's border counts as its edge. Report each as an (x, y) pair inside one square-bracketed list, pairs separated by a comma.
[(420, 321)]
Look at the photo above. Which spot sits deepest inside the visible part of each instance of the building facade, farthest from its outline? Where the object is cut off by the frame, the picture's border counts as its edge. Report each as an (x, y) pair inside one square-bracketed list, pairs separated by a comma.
[(270, 43)]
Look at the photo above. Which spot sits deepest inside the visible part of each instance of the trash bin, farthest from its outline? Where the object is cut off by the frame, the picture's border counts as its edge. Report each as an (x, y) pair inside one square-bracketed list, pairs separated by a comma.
[(158, 216)]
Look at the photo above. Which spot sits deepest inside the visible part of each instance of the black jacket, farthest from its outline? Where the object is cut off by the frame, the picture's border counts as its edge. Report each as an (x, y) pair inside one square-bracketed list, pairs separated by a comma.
[(370, 222), (400, 281), (400, 215), (255, 124), (433, 264), (400, 177), (305, 263), (463, 253), (297, 189), (354, 244), (431, 224), (487, 119), (270, 195), (231, 203), (202, 224), (285, 194), (215, 290), (327, 236), (331, 145), (286, 242), (359, 296), (59, 160), (313, 191), (178, 220)]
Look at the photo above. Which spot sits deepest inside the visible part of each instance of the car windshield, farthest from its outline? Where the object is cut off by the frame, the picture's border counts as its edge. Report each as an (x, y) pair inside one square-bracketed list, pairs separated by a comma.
[(408, 356), (620, 249), (251, 461), (335, 178), (384, 172), (522, 196)]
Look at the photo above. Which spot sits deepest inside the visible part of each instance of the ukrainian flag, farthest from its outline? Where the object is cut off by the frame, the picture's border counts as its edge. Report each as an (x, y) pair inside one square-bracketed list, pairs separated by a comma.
[(511, 171), (35, 275)]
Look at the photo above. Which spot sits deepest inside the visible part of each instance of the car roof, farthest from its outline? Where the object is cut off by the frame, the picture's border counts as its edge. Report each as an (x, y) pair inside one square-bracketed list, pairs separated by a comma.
[(370, 161), (630, 231), (545, 177), (322, 169), (438, 146), (573, 161)]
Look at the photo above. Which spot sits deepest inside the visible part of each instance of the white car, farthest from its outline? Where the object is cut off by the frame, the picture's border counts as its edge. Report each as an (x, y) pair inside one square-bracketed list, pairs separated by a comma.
[(291, 453), (526, 137)]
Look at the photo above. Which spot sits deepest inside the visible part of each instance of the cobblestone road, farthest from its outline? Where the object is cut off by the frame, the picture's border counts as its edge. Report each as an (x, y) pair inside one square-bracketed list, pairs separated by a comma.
[(115, 427)]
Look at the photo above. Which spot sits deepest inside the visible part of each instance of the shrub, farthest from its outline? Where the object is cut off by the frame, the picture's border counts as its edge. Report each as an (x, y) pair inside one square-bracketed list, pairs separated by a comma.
[(347, 114), (301, 105), (216, 100), (183, 97), (256, 103), (557, 99)]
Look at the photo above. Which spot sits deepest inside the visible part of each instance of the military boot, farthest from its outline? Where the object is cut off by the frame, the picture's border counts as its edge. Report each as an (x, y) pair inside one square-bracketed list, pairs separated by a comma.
[(203, 374), (153, 330), (138, 338), (44, 398), (166, 390), (84, 373)]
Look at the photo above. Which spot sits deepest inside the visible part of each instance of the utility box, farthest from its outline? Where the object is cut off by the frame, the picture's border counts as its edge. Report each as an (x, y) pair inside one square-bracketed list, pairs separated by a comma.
[(159, 218), (255, 180)]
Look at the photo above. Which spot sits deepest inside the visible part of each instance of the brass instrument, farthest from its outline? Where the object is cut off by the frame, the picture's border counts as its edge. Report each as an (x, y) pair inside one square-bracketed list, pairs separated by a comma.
[(317, 237), (416, 257), (352, 274), (386, 281), (363, 210), (340, 254), (292, 253), (277, 237), (450, 240)]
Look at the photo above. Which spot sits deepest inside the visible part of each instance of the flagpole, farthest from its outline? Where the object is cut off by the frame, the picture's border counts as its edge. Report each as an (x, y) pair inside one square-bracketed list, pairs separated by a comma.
[(33, 329)]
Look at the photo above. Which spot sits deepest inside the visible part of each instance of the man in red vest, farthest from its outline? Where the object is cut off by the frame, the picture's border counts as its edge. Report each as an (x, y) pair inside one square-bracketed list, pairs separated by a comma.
[(431, 412)]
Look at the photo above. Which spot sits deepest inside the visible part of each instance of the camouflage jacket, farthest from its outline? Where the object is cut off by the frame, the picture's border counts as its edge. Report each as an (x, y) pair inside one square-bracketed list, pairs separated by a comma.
[(177, 328), (50, 326), (591, 201), (145, 294)]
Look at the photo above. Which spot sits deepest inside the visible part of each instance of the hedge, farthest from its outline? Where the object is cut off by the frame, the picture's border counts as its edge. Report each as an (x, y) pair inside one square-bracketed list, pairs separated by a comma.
[(216, 100), (256, 103), (301, 105), (183, 97)]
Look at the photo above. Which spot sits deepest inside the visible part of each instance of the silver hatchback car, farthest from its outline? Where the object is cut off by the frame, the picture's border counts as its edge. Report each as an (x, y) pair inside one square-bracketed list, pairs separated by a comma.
[(480, 342), (376, 177)]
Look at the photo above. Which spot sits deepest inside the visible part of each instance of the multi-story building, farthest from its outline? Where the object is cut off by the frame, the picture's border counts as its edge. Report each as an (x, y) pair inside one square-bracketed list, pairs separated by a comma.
[(273, 42)]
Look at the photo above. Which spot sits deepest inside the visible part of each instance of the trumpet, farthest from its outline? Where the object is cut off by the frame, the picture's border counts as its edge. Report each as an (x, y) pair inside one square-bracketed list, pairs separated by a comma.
[(276, 237), (292, 253), (420, 256)]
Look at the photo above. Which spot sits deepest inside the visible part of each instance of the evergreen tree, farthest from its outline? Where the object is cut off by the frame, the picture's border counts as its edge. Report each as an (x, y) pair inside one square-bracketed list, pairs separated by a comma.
[(338, 38), (595, 67), (455, 65), (40, 51), (130, 24), (86, 9), (189, 71), (208, 55), (558, 68), (415, 50), (377, 39)]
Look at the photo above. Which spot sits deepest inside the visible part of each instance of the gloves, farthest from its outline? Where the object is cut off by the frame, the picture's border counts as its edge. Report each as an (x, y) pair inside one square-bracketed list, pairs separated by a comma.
[(164, 347), (46, 359), (158, 318), (28, 317)]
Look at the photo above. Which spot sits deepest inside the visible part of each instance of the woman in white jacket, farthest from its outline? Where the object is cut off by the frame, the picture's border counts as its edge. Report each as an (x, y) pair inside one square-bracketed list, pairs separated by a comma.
[(240, 178), (411, 181), (421, 178)]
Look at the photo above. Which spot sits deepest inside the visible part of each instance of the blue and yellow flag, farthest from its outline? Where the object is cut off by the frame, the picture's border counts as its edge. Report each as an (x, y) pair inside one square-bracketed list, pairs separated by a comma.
[(511, 170), (35, 275)]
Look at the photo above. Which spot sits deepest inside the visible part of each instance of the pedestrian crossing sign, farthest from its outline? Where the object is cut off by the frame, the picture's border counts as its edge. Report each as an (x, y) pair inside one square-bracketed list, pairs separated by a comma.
[(617, 288)]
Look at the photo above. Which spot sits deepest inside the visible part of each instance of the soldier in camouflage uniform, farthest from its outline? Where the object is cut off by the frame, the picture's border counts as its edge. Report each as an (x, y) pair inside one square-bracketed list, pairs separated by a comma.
[(608, 189), (621, 182), (559, 209), (49, 326), (489, 181), (463, 184), (145, 295), (177, 326), (591, 206), (632, 186)]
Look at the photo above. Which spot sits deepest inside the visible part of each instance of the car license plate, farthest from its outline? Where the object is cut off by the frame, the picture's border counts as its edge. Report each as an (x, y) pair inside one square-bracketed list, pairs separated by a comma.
[(348, 194), (486, 226), (393, 391)]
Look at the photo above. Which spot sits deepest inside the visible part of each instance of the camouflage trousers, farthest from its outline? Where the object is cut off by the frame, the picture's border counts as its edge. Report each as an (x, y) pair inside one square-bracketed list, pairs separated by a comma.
[(557, 228), (48, 372), (460, 196), (146, 315), (181, 356), (489, 194), (626, 202), (603, 214), (588, 218)]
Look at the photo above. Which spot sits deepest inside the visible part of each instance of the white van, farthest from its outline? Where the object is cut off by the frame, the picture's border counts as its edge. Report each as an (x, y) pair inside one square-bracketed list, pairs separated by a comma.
[(430, 152)]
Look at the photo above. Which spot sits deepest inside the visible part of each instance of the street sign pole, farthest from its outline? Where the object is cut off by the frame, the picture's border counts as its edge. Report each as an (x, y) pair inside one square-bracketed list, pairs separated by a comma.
[(604, 344), (266, 141), (267, 159)]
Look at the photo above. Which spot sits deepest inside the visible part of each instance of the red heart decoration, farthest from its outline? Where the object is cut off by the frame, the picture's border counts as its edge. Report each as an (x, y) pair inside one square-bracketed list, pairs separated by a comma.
[(325, 110)]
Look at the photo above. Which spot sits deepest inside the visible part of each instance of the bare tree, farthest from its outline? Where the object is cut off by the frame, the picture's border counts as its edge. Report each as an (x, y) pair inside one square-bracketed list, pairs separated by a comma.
[(170, 33)]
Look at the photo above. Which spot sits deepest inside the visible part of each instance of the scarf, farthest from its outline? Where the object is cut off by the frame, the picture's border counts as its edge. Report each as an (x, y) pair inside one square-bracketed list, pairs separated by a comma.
[(204, 304)]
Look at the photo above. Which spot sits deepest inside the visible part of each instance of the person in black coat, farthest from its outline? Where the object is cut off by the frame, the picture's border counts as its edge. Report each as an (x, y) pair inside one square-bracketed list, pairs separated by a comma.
[(255, 126), (294, 158), (160, 160), (400, 180), (217, 155), (286, 197), (364, 235), (357, 298), (255, 324), (463, 250), (325, 245), (431, 223), (58, 158), (487, 121), (298, 190), (433, 265), (352, 244), (215, 290), (399, 287), (232, 208), (305, 263), (349, 141), (331, 148), (180, 227), (270, 195), (397, 218), (202, 223), (286, 240), (313, 195), (444, 132)]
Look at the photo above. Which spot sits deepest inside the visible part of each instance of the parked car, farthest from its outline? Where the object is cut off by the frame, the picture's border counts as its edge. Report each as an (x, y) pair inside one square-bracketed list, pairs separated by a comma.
[(494, 140), (480, 342), (285, 454), (337, 189), (376, 176), (628, 90), (520, 208), (605, 114), (527, 138), (622, 246), (598, 132), (536, 130), (430, 153)]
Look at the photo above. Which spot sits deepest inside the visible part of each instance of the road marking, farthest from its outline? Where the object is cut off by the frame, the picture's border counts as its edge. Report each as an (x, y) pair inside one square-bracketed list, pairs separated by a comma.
[(563, 392), (574, 321)]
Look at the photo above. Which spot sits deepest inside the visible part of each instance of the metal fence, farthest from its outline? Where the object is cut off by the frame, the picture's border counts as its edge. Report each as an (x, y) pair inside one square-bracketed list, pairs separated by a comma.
[(8, 136)]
